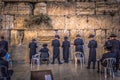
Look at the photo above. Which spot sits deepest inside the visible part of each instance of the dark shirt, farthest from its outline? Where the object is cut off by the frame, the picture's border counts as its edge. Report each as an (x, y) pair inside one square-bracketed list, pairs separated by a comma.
[(78, 44), (44, 52), (66, 44), (4, 44), (108, 55), (55, 43), (33, 45), (115, 44), (92, 44), (5, 64), (78, 41), (108, 43)]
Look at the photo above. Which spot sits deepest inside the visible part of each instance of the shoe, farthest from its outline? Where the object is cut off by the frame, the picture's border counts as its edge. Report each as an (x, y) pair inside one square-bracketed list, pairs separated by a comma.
[(93, 67), (88, 67), (52, 63), (60, 63)]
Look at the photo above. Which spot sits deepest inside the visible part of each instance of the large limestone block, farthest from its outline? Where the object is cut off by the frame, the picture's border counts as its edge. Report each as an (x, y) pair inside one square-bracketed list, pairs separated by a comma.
[(61, 8), (58, 22), (19, 21), (85, 8), (20, 8), (75, 22), (29, 35), (97, 22), (7, 21), (40, 8), (106, 8), (115, 22), (44, 37)]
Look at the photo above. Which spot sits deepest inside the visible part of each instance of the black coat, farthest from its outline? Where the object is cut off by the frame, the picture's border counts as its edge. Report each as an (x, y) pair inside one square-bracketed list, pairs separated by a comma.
[(3, 63), (56, 48), (107, 55), (116, 47), (92, 45), (66, 46), (44, 53), (4, 44), (108, 43), (79, 45), (32, 46)]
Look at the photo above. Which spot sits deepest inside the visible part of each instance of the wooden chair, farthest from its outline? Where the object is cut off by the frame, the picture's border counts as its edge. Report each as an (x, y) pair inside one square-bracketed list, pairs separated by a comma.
[(41, 75)]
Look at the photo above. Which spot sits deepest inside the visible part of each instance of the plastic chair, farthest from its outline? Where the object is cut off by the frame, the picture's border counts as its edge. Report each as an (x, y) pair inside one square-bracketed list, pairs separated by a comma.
[(79, 56), (110, 62), (36, 58), (44, 57)]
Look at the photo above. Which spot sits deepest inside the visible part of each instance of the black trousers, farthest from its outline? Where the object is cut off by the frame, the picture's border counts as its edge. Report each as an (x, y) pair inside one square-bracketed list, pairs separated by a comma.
[(58, 58), (89, 64)]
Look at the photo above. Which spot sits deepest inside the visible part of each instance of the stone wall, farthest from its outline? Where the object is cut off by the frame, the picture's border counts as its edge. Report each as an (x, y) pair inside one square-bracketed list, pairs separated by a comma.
[(68, 18)]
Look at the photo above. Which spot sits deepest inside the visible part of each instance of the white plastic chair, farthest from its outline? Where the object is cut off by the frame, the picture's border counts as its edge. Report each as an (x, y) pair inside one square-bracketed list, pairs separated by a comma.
[(110, 62), (36, 58), (79, 56)]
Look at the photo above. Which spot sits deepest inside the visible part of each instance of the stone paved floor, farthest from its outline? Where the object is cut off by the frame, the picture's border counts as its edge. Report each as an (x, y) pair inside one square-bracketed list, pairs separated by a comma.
[(60, 72)]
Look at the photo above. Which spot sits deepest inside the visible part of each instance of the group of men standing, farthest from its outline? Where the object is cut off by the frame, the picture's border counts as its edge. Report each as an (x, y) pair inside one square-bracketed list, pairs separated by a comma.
[(78, 43)]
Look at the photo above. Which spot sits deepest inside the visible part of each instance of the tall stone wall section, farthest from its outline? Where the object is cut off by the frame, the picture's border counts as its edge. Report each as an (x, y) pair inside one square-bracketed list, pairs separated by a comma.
[(68, 18)]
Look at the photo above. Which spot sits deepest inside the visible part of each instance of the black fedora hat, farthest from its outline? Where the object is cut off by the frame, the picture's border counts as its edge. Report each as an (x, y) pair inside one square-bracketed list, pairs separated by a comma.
[(57, 36), (113, 35), (44, 45), (78, 35), (33, 40), (91, 36), (65, 38)]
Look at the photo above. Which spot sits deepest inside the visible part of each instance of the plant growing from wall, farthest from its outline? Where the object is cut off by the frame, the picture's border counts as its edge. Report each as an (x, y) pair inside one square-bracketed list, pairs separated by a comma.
[(38, 20)]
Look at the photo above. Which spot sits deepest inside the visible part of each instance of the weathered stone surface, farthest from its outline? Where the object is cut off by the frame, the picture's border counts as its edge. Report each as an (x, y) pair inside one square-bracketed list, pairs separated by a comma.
[(106, 8), (69, 18), (8, 22), (17, 8), (61, 8), (40, 8), (85, 8), (58, 22)]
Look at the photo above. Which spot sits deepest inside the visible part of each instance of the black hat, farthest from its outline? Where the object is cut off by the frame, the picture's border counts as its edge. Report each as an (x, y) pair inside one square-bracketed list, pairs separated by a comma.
[(109, 48), (113, 35), (44, 45), (91, 36), (65, 37), (77, 35), (108, 38), (33, 40), (2, 37), (57, 36)]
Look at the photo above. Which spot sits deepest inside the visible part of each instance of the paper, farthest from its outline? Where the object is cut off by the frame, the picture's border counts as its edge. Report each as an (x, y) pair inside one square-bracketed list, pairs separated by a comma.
[(48, 77)]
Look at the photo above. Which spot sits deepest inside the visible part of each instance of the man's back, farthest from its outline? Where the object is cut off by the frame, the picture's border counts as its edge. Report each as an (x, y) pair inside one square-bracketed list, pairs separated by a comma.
[(33, 45), (108, 55), (4, 44)]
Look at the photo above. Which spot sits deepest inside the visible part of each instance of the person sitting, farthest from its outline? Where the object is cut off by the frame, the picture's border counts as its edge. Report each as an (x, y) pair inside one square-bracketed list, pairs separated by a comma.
[(4, 64), (44, 56), (108, 54)]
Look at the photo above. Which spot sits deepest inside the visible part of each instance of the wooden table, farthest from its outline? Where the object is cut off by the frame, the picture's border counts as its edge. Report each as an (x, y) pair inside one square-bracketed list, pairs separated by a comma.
[(41, 75)]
